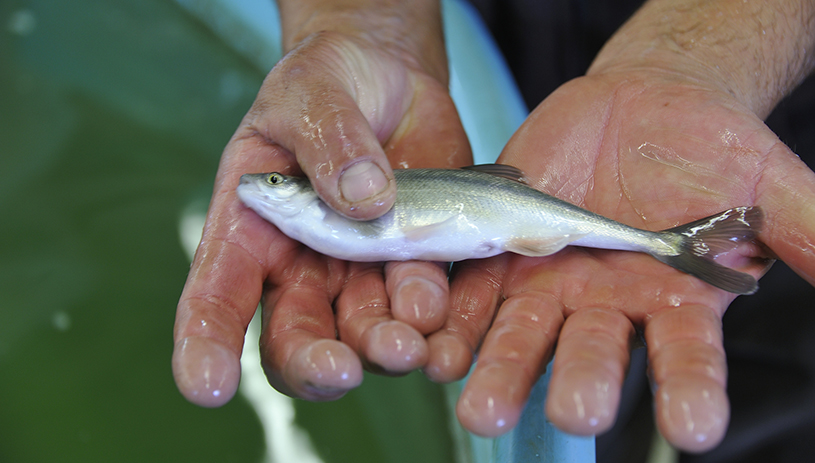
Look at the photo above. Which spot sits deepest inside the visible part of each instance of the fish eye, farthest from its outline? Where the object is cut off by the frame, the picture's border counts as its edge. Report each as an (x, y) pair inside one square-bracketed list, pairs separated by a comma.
[(274, 178)]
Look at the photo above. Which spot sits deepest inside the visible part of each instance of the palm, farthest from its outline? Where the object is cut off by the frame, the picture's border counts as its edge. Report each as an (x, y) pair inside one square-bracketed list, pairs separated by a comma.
[(652, 160), (653, 154), (331, 101)]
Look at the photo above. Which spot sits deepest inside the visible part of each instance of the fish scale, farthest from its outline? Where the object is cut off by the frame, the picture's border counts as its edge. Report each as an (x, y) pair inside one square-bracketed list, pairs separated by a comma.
[(481, 211)]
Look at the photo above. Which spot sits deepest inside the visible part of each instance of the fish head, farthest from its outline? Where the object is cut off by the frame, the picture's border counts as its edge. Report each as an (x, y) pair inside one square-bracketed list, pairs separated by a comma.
[(274, 195)]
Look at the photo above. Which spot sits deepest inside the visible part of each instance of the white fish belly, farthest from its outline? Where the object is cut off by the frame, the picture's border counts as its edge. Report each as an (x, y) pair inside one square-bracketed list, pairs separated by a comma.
[(447, 243)]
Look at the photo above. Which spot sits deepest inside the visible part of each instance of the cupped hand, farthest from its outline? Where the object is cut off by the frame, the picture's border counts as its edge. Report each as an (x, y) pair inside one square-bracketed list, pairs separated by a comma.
[(653, 151), (341, 109)]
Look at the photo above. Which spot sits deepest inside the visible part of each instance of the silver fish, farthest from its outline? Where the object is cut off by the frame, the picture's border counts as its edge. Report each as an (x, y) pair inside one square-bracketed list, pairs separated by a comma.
[(481, 211)]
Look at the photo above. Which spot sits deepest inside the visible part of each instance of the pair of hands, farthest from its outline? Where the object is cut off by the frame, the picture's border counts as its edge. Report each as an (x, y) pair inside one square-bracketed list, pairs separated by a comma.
[(642, 146)]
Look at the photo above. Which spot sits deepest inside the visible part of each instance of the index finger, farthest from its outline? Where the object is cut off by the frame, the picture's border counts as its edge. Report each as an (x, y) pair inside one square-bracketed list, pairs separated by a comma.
[(225, 282), (689, 371)]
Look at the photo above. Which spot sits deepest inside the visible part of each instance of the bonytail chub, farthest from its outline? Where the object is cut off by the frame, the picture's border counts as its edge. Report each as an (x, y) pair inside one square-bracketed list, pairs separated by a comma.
[(455, 214)]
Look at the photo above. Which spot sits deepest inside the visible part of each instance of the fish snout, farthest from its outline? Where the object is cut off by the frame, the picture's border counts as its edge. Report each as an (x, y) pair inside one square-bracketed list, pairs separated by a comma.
[(246, 179)]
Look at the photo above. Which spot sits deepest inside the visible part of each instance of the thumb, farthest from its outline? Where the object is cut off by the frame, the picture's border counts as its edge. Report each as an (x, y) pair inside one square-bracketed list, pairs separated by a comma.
[(332, 104), (786, 192)]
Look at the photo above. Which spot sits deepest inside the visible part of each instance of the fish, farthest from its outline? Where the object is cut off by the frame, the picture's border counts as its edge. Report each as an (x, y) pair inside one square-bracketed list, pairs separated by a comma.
[(450, 215)]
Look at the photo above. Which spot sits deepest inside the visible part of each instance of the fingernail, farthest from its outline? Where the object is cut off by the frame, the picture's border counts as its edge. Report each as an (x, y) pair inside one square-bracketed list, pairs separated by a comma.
[(362, 181)]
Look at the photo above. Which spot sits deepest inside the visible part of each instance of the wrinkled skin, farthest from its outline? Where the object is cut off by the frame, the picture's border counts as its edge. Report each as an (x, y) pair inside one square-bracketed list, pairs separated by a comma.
[(339, 103), (646, 148), (652, 151)]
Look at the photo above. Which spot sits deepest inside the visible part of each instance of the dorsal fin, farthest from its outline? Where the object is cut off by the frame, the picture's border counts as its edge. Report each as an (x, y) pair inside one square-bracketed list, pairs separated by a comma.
[(500, 170)]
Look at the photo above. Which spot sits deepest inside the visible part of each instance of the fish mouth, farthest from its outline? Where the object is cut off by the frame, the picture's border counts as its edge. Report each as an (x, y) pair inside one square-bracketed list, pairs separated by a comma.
[(247, 189)]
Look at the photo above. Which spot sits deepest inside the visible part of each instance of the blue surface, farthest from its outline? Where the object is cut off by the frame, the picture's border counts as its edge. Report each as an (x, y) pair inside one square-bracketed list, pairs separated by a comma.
[(488, 101), (535, 439)]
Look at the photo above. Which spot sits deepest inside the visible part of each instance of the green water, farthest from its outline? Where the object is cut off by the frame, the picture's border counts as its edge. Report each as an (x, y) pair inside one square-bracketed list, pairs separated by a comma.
[(113, 115)]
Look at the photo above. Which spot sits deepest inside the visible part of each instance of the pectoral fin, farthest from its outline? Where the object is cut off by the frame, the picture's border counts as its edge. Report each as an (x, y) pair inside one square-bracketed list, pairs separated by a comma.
[(536, 247), (432, 230), (368, 229)]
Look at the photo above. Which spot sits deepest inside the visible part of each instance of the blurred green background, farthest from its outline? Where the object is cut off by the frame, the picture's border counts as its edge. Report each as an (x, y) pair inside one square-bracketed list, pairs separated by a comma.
[(113, 114)]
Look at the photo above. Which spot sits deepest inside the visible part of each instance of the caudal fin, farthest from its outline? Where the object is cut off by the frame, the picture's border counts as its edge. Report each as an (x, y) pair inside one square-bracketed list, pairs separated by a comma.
[(704, 239)]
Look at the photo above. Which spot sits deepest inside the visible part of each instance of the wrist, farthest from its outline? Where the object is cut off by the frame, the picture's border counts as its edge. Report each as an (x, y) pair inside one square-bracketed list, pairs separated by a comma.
[(409, 30), (755, 50)]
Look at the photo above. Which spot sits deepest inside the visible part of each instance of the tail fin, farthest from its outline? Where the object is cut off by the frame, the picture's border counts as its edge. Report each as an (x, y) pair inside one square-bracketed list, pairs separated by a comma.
[(704, 239)]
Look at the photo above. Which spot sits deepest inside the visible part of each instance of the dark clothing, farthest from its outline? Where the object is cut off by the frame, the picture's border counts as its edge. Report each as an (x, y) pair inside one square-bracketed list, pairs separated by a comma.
[(770, 336)]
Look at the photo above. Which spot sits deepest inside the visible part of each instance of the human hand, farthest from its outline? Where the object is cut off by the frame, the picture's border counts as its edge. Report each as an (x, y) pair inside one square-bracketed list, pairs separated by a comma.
[(652, 152), (665, 129), (341, 107)]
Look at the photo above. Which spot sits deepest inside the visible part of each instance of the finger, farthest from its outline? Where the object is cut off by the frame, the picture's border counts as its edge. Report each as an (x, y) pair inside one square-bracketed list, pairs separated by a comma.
[(689, 372), (301, 355), (419, 294), (226, 278), (210, 323), (590, 363), (218, 301), (312, 103), (365, 324), (474, 294), (786, 193), (224, 285), (512, 358)]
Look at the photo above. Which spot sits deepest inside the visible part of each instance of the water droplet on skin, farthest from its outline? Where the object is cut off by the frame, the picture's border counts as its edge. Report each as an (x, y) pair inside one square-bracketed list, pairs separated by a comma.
[(729, 138)]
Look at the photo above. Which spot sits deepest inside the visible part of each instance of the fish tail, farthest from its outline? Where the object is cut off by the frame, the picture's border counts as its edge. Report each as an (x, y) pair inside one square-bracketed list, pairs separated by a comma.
[(702, 240)]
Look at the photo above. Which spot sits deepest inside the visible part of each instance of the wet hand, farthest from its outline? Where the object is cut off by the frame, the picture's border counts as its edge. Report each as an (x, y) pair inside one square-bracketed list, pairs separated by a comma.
[(651, 151), (342, 110)]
